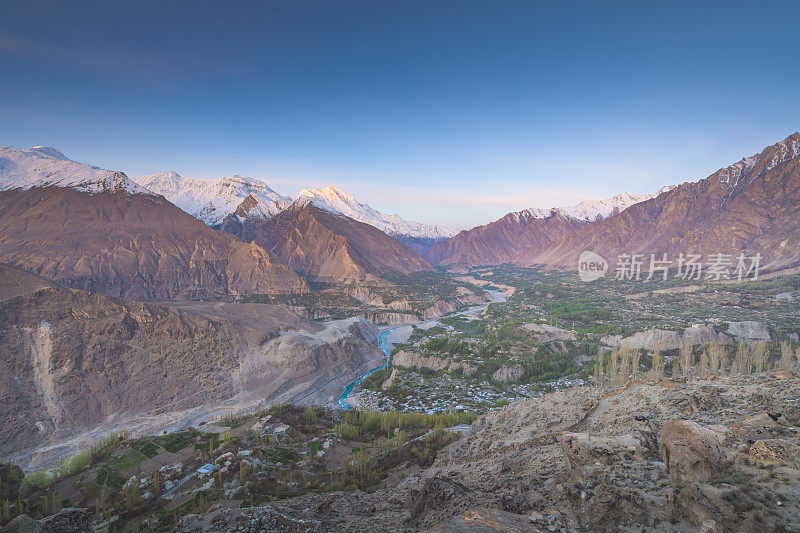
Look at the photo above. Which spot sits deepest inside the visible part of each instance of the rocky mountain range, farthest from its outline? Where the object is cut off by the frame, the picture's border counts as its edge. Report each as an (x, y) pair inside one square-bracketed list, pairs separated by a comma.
[(242, 197), (328, 247), (212, 201), (97, 230), (509, 238), (132, 242), (751, 206)]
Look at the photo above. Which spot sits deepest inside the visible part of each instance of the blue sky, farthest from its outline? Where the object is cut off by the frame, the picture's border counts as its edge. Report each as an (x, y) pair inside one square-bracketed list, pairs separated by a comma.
[(448, 112)]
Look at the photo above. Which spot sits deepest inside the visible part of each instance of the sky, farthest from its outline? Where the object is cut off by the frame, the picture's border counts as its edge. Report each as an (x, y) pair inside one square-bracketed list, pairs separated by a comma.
[(451, 113)]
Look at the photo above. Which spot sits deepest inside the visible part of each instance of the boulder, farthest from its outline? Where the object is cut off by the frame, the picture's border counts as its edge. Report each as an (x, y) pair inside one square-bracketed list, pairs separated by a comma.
[(668, 339), (584, 452), (690, 451), (756, 427), (749, 330), (775, 451), (649, 339), (790, 414), (698, 334)]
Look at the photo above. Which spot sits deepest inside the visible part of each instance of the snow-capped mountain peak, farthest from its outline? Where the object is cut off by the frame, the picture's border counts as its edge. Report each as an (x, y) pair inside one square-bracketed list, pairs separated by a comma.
[(334, 200), (213, 200), (594, 209), (589, 210), (48, 151), (45, 166)]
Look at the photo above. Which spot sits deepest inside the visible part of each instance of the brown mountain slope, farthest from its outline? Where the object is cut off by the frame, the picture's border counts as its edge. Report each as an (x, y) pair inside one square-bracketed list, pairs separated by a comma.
[(77, 364), (131, 245), (501, 241), (752, 206), (15, 282), (329, 247)]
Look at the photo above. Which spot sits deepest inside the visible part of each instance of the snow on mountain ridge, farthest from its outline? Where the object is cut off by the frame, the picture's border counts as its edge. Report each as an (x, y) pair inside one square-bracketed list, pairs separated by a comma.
[(590, 210), (213, 200), (43, 166), (334, 200), (49, 151)]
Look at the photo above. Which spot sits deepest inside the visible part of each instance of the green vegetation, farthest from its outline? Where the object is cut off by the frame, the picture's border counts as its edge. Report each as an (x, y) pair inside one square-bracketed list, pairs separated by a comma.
[(369, 425), (549, 365), (175, 442), (147, 447), (109, 478), (377, 378), (114, 478), (128, 460), (36, 481)]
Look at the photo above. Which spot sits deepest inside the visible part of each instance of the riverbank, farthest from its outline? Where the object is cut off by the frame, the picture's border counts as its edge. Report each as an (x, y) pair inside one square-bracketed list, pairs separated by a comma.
[(349, 401)]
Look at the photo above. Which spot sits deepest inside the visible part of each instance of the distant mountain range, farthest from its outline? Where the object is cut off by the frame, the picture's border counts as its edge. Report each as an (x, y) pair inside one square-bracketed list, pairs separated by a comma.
[(98, 230), (507, 240), (329, 247), (216, 199), (159, 236), (212, 201), (752, 206)]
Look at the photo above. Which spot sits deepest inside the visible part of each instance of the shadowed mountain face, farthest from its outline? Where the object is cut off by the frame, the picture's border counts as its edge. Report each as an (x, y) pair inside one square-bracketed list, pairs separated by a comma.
[(751, 206), (501, 241), (15, 282), (328, 247), (130, 245)]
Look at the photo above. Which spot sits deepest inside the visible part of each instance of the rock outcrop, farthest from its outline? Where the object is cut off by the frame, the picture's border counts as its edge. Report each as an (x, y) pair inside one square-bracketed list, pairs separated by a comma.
[(588, 459), (775, 451), (583, 451), (749, 331), (749, 429), (408, 359), (75, 360), (508, 373), (668, 339), (690, 451)]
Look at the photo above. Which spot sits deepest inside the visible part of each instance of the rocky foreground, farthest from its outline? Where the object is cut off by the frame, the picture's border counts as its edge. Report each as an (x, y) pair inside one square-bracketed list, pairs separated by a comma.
[(713, 455)]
